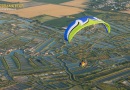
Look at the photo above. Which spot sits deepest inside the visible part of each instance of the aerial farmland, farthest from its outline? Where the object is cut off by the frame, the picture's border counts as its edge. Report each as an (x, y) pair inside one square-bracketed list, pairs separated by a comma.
[(35, 56)]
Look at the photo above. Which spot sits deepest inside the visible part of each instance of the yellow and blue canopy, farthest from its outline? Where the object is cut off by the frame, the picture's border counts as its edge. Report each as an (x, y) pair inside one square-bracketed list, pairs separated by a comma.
[(81, 23)]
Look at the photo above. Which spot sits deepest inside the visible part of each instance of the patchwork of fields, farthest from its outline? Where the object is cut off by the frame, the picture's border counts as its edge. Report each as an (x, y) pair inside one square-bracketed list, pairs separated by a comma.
[(48, 9), (35, 56), (55, 10)]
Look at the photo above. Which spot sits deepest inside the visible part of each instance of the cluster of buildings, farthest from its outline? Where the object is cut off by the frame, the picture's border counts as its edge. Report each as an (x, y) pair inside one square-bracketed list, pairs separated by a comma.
[(112, 5)]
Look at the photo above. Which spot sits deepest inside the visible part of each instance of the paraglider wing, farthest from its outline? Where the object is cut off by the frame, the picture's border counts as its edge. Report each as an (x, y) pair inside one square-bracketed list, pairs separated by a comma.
[(81, 23)]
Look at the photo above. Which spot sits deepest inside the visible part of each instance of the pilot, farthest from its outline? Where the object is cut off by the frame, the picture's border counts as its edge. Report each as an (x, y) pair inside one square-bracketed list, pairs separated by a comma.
[(83, 64)]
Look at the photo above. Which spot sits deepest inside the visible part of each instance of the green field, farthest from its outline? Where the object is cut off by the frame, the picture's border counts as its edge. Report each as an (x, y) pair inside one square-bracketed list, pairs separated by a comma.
[(43, 18)]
